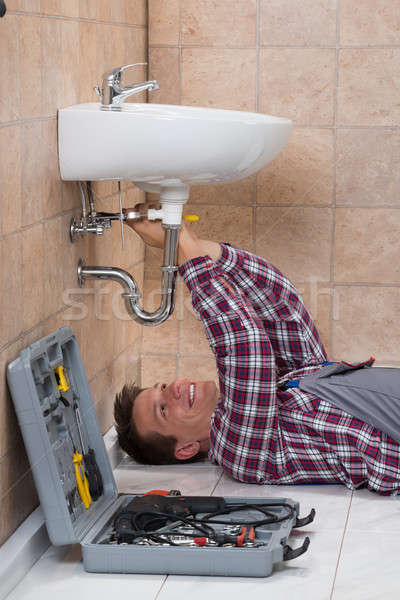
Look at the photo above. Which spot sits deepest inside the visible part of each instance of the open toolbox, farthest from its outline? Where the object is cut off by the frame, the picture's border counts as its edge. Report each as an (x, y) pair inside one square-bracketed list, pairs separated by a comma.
[(163, 533)]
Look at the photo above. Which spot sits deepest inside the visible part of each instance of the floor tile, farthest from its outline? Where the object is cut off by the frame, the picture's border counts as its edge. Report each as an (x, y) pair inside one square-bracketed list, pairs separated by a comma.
[(331, 502), (368, 567), (309, 577), (374, 513), (60, 574), (189, 479)]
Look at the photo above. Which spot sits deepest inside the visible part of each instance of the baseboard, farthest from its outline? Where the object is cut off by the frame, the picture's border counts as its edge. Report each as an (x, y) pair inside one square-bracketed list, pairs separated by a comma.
[(29, 542)]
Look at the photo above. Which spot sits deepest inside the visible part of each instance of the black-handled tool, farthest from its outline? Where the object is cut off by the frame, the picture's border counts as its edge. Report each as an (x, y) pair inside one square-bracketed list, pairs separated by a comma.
[(92, 469), (3, 8)]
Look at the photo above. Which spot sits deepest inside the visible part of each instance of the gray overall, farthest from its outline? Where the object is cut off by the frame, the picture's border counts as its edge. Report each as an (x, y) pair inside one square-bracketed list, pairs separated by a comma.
[(371, 394)]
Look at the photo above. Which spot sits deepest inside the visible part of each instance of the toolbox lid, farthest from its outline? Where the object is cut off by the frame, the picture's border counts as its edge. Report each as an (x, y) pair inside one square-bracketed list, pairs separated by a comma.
[(47, 384)]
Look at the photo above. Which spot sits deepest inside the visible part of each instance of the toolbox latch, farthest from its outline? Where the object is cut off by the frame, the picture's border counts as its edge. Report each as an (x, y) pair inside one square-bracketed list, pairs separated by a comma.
[(305, 520), (289, 553)]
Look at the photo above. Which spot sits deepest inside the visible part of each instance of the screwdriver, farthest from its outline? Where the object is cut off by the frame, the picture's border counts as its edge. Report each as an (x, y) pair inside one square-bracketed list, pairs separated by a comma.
[(92, 469), (80, 476)]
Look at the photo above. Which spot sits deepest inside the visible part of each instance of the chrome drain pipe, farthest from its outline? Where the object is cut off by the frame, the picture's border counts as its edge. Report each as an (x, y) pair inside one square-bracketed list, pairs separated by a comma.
[(131, 293)]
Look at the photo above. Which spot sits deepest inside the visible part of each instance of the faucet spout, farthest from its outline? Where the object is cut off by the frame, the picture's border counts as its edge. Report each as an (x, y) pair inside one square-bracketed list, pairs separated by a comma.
[(133, 89)]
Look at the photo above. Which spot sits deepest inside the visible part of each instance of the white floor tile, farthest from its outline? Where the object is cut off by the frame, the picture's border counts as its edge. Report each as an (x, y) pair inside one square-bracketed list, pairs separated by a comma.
[(186, 478), (331, 502), (369, 567), (371, 512), (59, 574), (309, 577)]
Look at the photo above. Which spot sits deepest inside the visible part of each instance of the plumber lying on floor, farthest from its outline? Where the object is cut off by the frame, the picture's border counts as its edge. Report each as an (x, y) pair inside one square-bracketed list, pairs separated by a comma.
[(281, 415)]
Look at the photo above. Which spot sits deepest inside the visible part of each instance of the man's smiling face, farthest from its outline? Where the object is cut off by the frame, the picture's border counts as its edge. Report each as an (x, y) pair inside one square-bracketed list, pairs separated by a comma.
[(181, 409)]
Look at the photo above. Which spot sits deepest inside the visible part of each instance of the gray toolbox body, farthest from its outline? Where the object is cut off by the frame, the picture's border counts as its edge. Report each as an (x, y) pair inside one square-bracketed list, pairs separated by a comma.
[(48, 424)]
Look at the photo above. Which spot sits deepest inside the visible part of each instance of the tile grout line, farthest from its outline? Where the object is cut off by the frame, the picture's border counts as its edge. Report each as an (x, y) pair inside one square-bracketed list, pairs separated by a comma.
[(161, 587), (77, 19), (331, 47), (341, 547), (333, 208)]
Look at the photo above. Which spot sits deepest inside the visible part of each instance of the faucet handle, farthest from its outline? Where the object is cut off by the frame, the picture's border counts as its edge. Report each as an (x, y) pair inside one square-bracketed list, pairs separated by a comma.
[(115, 74)]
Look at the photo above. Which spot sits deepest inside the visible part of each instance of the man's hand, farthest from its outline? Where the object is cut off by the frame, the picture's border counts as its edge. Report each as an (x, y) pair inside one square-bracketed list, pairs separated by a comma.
[(151, 232)]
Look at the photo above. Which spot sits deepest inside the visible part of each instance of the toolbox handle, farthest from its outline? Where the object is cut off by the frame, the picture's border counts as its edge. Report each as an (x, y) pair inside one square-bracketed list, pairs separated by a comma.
[(305, 520), (289, 553)]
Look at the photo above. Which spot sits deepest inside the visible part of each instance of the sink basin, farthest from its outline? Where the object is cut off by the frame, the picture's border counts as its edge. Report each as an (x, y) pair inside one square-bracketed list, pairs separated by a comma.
[(158, 145)]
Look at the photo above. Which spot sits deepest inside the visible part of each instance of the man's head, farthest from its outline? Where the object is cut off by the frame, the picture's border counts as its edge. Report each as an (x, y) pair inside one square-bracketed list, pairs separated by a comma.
[(165, 424)]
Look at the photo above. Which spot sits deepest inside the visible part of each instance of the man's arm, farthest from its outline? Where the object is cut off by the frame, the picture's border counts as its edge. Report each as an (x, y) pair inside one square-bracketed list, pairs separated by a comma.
[(244, 426), (292, 332)]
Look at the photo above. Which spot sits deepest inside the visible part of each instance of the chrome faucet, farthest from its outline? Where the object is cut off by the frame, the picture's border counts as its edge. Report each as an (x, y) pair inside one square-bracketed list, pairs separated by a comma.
[(113, 93)]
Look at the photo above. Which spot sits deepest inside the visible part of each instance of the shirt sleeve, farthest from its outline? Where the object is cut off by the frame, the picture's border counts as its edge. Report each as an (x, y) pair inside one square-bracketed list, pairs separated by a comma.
[(293, 335), (244, 425)]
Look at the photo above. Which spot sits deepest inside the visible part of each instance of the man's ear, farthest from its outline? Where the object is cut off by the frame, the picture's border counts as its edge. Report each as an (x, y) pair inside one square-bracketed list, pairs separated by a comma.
[(186, 451)]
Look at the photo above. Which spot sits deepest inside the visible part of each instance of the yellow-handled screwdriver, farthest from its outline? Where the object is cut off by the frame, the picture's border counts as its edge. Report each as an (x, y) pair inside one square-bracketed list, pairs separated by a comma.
[(82, 483)]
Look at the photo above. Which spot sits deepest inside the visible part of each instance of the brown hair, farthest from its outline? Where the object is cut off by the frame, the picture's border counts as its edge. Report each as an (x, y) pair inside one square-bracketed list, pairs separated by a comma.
[(154, 449)]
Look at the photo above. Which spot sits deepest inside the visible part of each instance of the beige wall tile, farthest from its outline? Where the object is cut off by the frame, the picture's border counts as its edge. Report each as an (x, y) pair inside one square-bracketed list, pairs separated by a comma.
[(369, 23), (102, 389), (103, 10), (369, 81), (65, 8), (317, 298), (30, 49), (51, 63), (193, 339), (136, 51), (70, 63), (237, 192), (117, 8), (164, 22), (203, 369), (298, 22), (165, 68), (136, 12), (303, 173), (126, 330), (17, 504), (9, 429), (126, 367), (88, 9), (53, 266), (60, 64), (223, 223), (52, 193), (70, 197), (33, 276), (10, 69), (158, 369), (367, 245), (205, 81), (10, 178), (366, 321), (210, 23), (32, 180), (11, 289), (298, 84), (24, 5), (296, 240), (368, 166), (13, 467), (162, 338)]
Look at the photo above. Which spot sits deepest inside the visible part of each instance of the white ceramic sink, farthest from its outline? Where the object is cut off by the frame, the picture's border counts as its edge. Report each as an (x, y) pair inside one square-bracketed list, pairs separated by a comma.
[(165, 145)]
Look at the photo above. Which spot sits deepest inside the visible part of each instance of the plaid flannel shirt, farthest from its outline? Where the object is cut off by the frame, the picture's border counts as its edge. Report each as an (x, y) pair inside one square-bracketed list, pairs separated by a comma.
[(262, 336)]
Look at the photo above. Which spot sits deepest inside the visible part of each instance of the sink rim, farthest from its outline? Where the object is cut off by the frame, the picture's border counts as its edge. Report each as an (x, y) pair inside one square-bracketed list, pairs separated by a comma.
[(180, 111)]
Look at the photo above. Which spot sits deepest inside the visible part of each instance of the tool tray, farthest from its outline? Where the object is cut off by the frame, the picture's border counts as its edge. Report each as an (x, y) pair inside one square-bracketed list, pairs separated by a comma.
[(48, 383)]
